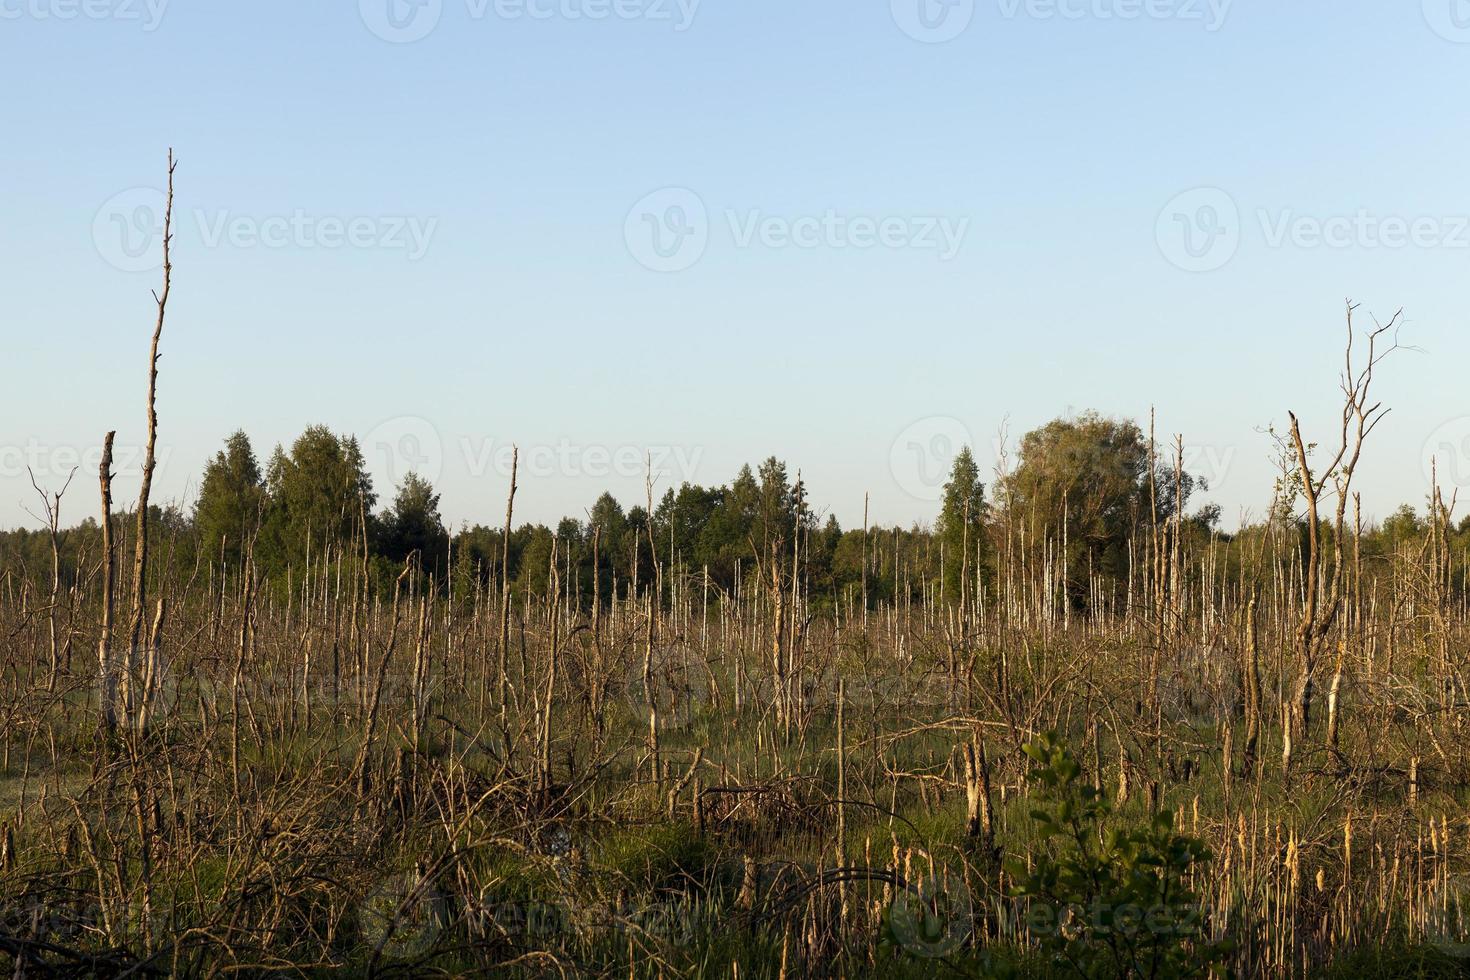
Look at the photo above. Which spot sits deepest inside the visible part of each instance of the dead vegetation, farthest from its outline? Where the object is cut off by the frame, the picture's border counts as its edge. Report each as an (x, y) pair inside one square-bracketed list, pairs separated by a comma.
[(324, 775)]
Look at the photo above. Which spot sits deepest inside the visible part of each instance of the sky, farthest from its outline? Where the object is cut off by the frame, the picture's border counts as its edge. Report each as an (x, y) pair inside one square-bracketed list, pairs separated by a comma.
[(853, 234)]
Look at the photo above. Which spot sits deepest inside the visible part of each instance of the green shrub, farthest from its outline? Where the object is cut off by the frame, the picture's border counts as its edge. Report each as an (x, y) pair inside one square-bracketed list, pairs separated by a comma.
[(1109, 901)]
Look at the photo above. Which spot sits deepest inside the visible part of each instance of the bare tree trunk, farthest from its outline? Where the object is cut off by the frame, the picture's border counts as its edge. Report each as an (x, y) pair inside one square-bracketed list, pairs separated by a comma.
[(655, 594), (152, 668), (420, 691), (597, 583), (977, 793), (107, 676), (865, 560), (136, 707), (52, 504), (501, 694), (778, 635), (1332, 696), (1252, 689), (1359, 418), (555, 620)]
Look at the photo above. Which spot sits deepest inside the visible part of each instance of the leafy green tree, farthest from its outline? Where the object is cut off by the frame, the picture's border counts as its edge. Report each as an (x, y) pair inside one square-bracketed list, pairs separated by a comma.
[(413, 524), (231, 501), (821, 560), (607, 516), (688, 514), (320, 494), (847, 560), (1088, 475), (533, 576), (726, 538), (478, 554), (960, 528), (607, 520), (1403, 525), (776, 514), (634, 560)]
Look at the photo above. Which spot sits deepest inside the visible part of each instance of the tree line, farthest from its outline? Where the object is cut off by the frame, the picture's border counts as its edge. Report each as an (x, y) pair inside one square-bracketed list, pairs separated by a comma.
[(1088, 482)]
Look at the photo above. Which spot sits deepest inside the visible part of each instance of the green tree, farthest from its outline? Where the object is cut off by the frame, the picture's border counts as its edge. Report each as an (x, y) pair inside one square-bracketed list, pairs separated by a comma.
[(961, 523), (413, 524), (1088, 476), (726, 538), (607, 521), (608, 518), (231, 501), (776, 514), (533, 575), (688, 513), (320, 493)]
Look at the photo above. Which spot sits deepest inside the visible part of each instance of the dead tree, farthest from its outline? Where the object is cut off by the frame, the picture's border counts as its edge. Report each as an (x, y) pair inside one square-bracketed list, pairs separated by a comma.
[(655, 595), (1323, 586), (1252, 685), (52, 503), (106, 672), (138, 691), (979, 823), (501, 687)]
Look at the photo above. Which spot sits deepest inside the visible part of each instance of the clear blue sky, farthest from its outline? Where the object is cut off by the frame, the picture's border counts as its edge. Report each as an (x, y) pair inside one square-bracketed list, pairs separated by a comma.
[(519, 137)]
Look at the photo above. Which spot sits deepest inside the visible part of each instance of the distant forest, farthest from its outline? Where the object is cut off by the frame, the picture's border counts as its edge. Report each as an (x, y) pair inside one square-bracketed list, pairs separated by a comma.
[(1083, 487)]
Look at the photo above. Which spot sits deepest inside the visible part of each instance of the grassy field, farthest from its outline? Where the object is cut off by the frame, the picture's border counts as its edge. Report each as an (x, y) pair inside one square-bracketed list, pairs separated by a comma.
[(335, 781)]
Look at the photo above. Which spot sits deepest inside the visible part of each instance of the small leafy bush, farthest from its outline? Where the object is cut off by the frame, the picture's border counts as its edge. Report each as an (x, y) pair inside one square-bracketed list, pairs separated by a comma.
[(1110, 901)]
